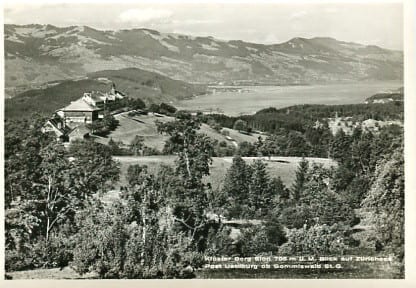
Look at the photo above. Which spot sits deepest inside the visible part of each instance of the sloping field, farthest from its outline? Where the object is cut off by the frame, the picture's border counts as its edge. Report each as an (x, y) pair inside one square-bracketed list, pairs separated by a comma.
[(285, 167), (144, 125)]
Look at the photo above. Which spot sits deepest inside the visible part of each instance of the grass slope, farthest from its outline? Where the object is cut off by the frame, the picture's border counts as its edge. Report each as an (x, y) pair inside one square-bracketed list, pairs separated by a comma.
[(144, 125), (285, 167)]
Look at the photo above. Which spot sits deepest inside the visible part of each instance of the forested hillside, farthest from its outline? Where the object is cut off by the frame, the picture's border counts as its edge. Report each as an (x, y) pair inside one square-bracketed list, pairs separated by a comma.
[(148, 86), (165, 222)]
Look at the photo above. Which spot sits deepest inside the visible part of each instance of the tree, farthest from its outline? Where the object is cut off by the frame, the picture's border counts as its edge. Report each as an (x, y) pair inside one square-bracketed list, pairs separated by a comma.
[(115, 147), (30, 178), (246, 149), (23, 142), (237, 186), (154, 108), (385, 202), (300, 180), (136, 104), (214, 125), (279, 192), (133, 174), (96, 127), (361, 152), (260, 197), (136, 145), (240, 125), (100, 243), (260, 148), (94, 169), (237, 180), (75, 181), (53, 189), (339, 146), (167, 109), (319, 136), (318, 203), (103, 126), (45, 187), (194, 150), (296, 145), (134, 238), (109, 123), (194, 157)]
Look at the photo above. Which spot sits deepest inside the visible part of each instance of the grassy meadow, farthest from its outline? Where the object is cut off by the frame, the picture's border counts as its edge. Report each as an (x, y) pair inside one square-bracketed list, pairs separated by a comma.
[(145, 126), (285, 167)]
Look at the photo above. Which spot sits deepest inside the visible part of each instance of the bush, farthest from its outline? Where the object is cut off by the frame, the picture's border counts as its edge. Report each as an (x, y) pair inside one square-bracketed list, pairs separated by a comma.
[(56, 252), (17, 260), (255, 241), (167, 109), (225, 132), (317, 240), (219, 242), (262, 239), (112, 245)]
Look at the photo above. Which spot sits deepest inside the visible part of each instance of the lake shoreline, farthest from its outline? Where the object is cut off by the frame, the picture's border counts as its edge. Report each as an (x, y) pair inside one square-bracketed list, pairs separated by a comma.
[(247, 100)]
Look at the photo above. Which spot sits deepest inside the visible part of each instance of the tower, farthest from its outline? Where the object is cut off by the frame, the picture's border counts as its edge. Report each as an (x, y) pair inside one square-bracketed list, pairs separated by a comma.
[(113, 88)]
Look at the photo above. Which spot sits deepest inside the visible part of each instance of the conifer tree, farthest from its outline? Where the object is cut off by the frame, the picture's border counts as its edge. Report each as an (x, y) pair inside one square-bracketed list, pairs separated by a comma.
[(259, 195), (237, 181), (300, 180)]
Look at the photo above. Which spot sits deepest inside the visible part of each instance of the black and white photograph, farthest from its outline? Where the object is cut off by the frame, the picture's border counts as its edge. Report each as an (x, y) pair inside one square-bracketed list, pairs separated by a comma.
[(204, 140)]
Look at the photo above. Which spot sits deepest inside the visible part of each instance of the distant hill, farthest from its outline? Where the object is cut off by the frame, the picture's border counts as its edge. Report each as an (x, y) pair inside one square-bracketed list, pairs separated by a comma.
[(389, 96), (136, 83), (383, 97), (41, 53)]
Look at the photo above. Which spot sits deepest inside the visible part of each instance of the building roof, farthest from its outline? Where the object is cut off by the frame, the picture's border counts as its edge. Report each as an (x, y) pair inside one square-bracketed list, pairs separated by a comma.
[(120, 93), (54, 123), (79, 131), (80, 105), (97, 95)]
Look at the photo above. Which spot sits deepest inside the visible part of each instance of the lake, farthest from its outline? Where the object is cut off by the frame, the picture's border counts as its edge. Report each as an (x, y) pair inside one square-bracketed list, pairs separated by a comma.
[(254, 98)]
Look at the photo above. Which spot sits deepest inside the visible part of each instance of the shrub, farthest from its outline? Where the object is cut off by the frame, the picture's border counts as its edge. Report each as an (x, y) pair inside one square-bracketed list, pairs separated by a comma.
[(316, 240)]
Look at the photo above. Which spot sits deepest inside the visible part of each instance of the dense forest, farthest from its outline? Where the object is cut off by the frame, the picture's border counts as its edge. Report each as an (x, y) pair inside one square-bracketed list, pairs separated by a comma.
[(166, 221), (302, 130), (302, 117)]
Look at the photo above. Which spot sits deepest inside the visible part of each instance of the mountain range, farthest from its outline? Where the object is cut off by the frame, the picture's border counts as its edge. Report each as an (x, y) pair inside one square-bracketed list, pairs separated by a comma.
[(36, 54)]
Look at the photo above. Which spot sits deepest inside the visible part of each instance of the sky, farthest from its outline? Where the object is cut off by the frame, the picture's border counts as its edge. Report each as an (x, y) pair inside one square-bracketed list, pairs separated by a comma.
[(366, 22)]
